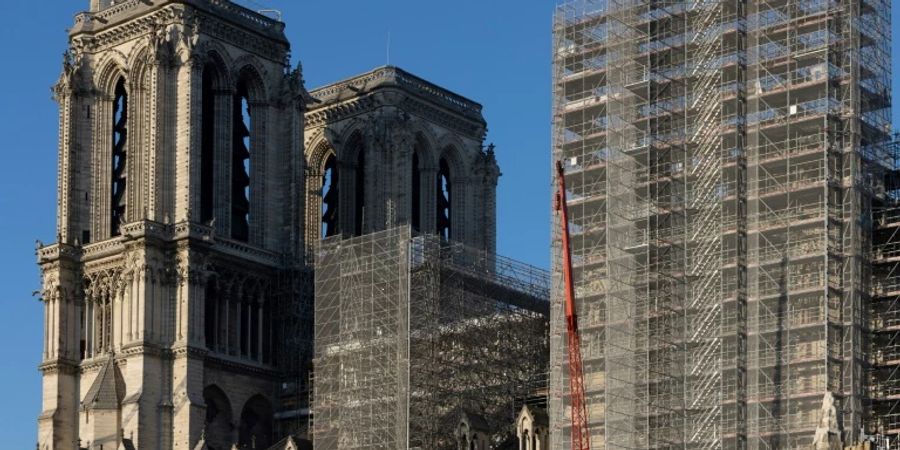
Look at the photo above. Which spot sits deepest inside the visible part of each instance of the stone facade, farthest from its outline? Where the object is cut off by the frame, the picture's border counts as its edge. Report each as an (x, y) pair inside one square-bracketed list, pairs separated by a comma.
[(403, 124), (191, 167)]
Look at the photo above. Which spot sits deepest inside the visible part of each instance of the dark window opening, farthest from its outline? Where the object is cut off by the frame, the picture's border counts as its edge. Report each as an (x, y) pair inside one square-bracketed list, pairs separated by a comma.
[(329, 197), (444, 200), (254, 331), (240, 166), (207, 146), (119, 157), (211, 316), (266, 356), (360, 204), (416, 194), (82, 345), (255, 427), (245, 328)]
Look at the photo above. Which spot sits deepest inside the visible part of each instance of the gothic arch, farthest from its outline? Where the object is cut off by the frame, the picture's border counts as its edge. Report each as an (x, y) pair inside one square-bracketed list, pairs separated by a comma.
[(213, 52), (353, 130), (318, 156), (112, 68), (429, 144), (138, 68), (256, 423), (218, 421), (222, 79), (452, 149), (248, 70)]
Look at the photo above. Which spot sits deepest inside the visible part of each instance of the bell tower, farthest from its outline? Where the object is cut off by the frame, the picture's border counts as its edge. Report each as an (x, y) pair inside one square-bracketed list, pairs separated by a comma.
[(174, 295)]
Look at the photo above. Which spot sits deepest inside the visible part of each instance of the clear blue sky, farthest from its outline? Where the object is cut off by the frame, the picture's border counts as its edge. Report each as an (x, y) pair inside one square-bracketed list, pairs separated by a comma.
[(496, 52)]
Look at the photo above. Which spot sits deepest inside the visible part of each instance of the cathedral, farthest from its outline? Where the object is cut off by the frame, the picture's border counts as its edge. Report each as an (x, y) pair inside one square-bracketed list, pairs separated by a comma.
[(197, 177)]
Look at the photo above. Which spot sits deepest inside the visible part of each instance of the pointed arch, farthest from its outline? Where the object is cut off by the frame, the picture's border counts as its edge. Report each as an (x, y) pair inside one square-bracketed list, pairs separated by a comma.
[(321, 189), (218, 421), (426, 142), (214, 53), (452, 149), (119, 179), (249, 71), (112, 68), (256, 423)]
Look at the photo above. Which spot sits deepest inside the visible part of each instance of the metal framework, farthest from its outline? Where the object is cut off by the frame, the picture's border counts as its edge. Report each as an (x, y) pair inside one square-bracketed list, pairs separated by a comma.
[(722, 159), (413, 331)]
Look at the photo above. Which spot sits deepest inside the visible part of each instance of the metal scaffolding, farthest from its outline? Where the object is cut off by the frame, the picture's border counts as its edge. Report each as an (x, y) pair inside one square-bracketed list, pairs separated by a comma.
[(722, 158), (413, 331)]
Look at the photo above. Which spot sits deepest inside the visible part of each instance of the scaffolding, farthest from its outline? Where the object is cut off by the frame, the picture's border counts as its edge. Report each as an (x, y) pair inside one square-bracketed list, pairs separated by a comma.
[(411, 332), (818, 124), (883, 350), (722, 158)]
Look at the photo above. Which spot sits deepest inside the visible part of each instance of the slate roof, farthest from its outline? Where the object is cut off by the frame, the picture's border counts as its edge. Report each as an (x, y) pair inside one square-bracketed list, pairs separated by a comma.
[(107, 390)]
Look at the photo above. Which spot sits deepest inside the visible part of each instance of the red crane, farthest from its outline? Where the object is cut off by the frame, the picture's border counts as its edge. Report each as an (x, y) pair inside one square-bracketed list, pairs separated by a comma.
[(580, 434)]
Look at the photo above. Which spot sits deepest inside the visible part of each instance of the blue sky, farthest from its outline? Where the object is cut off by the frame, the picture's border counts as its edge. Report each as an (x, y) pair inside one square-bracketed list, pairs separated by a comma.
[(496, 52)]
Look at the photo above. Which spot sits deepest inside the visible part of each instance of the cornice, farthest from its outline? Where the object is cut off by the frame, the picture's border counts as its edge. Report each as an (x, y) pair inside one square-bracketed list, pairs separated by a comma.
[(200, 17), (244, 368), (110, 253), (415, 105), (60, 366), (336, 101), (94, 22)]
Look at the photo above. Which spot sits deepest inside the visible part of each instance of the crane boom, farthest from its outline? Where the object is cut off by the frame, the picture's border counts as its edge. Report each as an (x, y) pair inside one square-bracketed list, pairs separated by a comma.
[(580, 434)]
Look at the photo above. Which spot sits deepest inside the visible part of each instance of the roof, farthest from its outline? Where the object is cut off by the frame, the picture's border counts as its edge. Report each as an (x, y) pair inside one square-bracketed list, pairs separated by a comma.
[(107, 390), (391, 76), (537, 413)]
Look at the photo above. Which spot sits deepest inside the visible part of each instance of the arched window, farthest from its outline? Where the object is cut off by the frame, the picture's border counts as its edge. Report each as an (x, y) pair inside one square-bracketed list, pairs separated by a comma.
[(329, 197), (360, 195), (218, 418), (255, 429), (240, 165), (415, 207), (207, 144), (119, 157), (211, 316), (444, 200)]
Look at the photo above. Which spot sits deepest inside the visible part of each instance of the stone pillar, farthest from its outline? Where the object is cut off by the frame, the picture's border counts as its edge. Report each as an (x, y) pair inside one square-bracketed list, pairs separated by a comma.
[(57, 423), (188, 409)]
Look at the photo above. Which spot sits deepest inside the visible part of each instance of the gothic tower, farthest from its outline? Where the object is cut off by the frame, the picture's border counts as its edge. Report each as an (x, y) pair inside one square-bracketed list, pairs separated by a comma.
[(386, 148), (173, 300), (196, 174)]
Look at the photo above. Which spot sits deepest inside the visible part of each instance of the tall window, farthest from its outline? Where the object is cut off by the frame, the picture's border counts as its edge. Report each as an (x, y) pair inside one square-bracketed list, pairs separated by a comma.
[(329, 197), (415, 193), (119, 157), (360, 197), (207, 145), (444, 200), (211, 315), (240, 166)]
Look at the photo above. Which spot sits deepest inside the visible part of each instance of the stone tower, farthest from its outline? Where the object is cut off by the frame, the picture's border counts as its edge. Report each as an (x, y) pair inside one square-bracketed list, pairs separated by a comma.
[(196, 174), (173, 307), (386, 148)]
